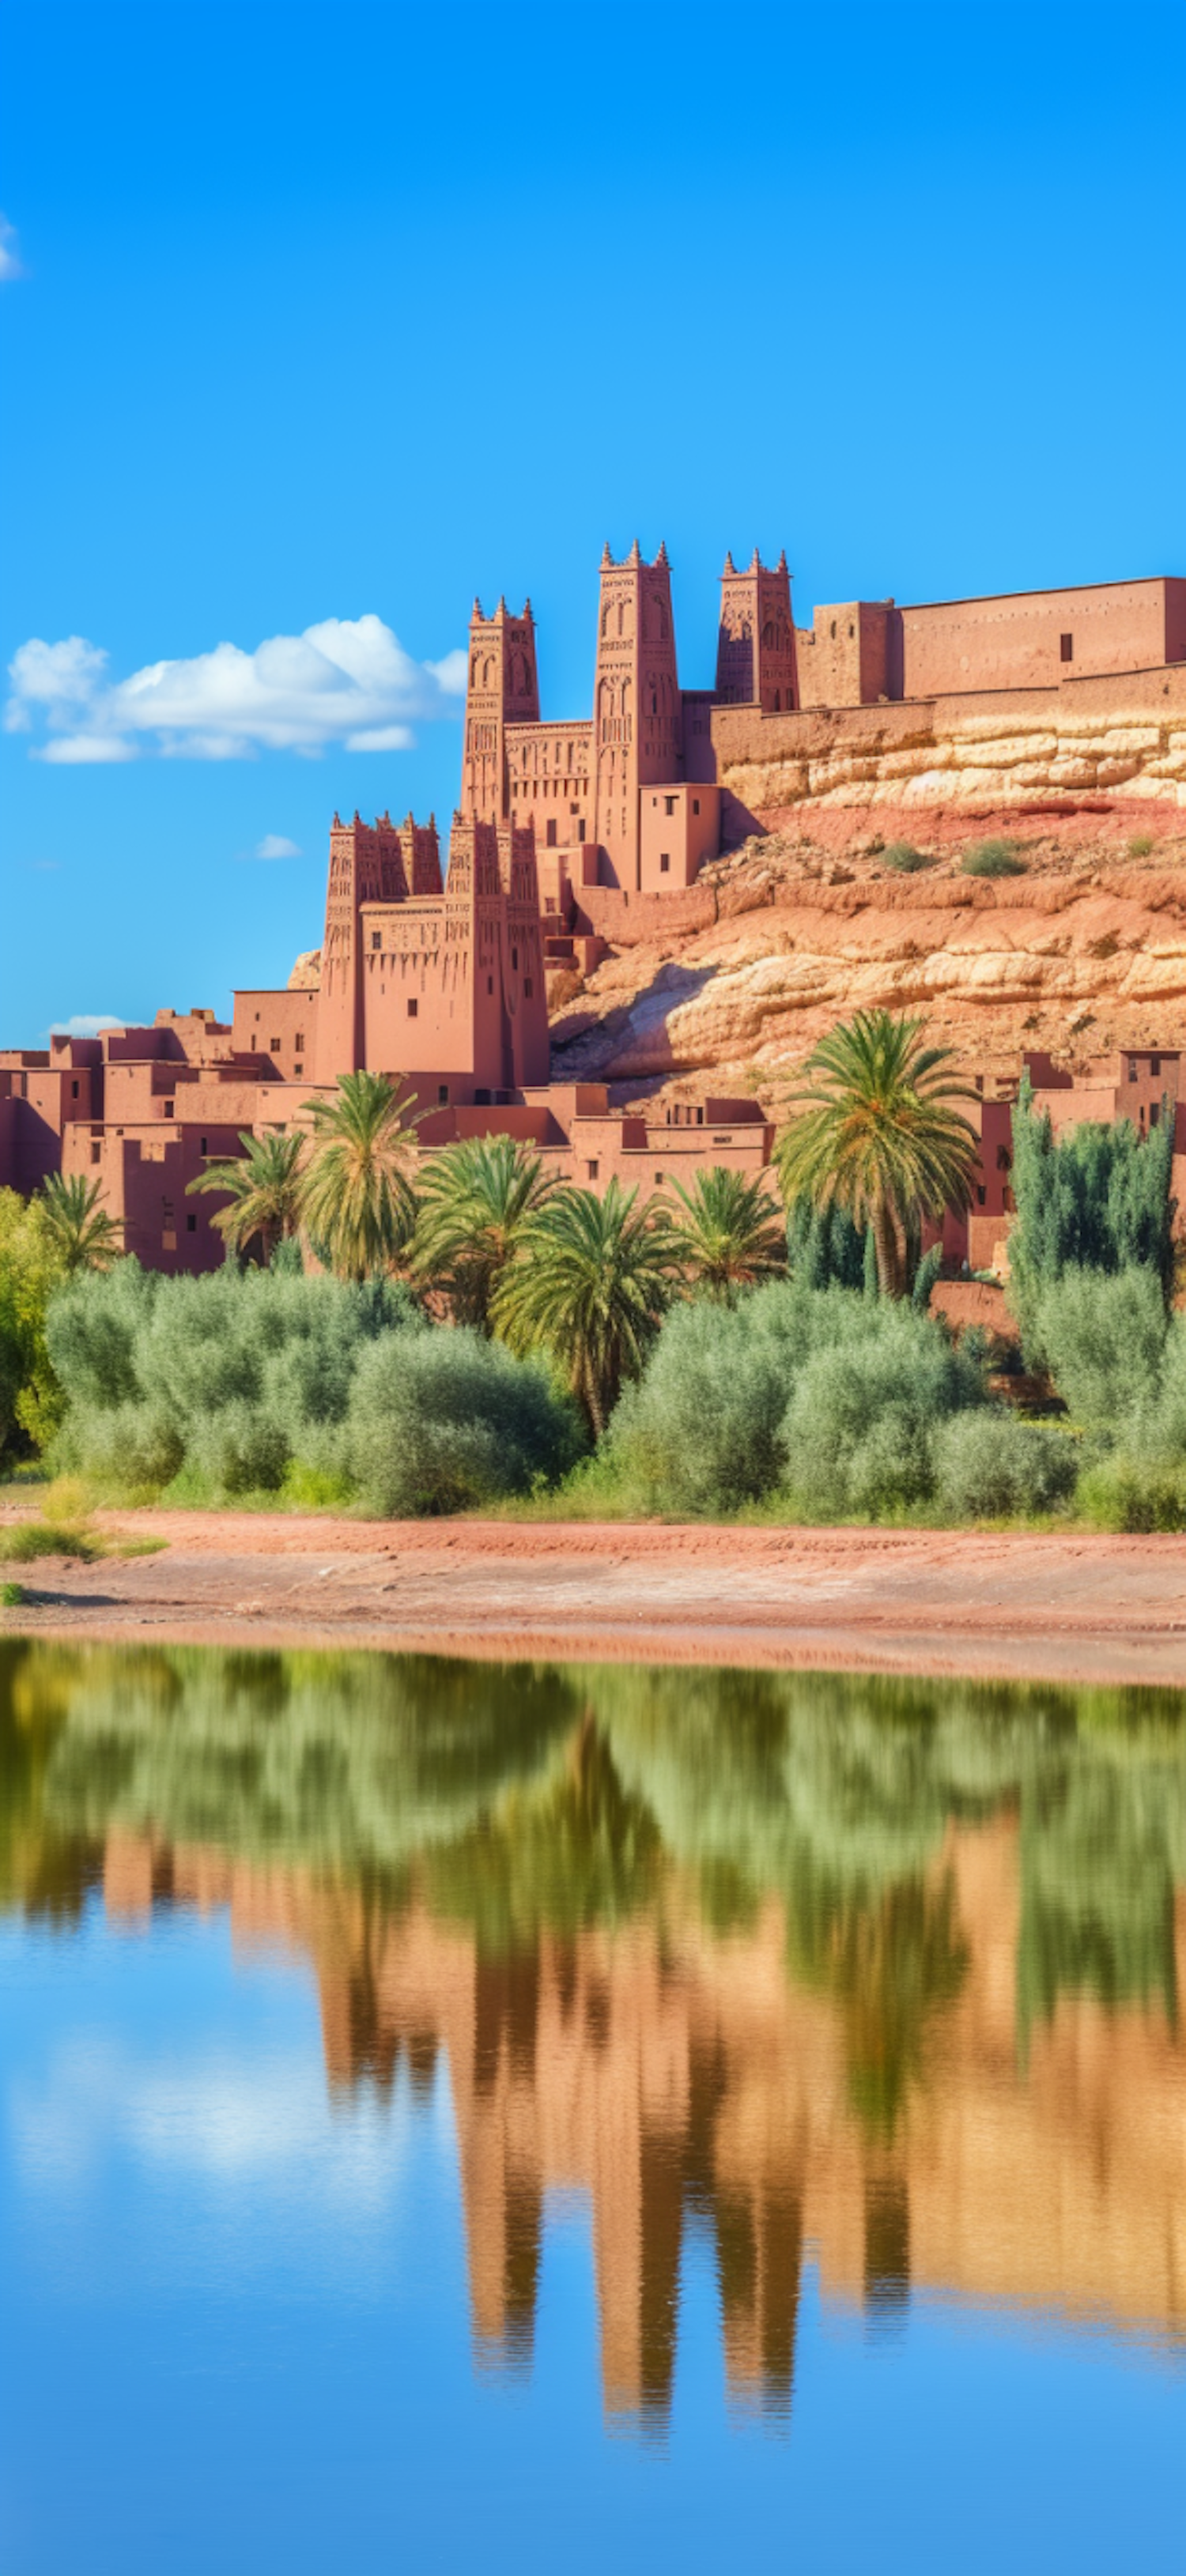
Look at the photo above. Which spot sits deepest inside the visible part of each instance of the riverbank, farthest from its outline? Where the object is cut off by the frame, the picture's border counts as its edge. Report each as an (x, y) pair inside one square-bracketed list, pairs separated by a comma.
[(1078, 1607)]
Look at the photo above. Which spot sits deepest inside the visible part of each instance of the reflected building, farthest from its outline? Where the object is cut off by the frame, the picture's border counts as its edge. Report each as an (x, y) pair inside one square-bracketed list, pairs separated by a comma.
[(682, 2077)]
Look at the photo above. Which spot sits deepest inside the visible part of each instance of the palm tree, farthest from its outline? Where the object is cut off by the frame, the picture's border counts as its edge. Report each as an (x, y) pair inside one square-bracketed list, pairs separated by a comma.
[(263, 1185), (356, 1197), (475, 1198), (877, 1135), (81, 1233), (590, 1282), (729, 1233)]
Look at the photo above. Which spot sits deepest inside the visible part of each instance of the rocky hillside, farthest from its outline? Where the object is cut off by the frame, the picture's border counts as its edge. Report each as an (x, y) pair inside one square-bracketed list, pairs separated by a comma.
[(1084, 951)]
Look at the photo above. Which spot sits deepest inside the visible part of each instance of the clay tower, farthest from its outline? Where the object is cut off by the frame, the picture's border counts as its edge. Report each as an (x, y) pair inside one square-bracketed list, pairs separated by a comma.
[(756, 664), (502, 689), (636, 704)]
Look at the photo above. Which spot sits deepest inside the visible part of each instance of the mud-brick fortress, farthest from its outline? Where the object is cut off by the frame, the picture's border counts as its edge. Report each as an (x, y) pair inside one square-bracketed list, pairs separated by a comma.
[(571, 836)]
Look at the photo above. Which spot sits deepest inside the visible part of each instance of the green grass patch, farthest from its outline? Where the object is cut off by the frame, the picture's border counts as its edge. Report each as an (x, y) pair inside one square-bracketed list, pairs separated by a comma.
[(902, 856), (993, 859), (11, 1596), (31, 1539)]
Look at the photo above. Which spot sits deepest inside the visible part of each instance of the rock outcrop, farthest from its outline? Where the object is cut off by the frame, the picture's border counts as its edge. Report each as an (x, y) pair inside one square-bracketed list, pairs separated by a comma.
[(1084, 951)]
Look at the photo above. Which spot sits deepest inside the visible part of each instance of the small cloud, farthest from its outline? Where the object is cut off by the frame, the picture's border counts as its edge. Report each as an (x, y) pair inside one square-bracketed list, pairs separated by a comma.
[(85, 1024), (381, 738), (347, 680), (274, 846), (10, 265)]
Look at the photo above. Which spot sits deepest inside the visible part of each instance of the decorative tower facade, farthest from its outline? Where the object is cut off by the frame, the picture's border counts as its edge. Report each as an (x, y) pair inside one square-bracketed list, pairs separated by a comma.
[(637, 729), (756, 660), (502, 689)]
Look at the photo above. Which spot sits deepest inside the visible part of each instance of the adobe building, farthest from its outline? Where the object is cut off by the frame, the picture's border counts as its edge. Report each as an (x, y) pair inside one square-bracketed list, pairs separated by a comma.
[(567, 835)]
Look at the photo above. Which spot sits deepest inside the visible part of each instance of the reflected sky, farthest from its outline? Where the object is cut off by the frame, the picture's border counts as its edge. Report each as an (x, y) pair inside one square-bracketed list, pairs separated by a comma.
[(471, 2115)]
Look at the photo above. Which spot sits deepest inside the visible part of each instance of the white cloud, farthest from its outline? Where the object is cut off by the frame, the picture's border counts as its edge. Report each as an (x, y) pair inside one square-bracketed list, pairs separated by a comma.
[(345, 680), (85, 1024), (10, 265), (274, 846)]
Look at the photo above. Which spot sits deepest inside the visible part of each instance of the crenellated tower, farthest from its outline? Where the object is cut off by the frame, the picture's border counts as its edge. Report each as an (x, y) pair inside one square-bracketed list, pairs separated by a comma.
[(637, 726), (756, 661), (502, 689)]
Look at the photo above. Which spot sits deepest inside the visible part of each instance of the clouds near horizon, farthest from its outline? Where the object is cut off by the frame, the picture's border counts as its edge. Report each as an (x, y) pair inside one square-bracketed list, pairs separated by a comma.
[(345, 680)]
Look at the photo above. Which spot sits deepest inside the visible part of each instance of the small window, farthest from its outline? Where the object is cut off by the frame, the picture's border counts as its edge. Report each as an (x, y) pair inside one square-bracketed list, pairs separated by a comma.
[(74, 1091), (591, 1170), (980, 1082), (549, 903), (191, 1225), (413, 1008), (700, 1117), (168, 1108), (1132, 1068), (833, 630), (1155, 1065), (669, 804), (274, 1044), (664, 862), (299, 1045), (298, 1068), (376, 938), (551, 831), (695, 804), (1155, 1113), (1066, 648), (981, 1194), (96, 1153), (528, 988), (581, 829), (515, 960), (490, 983), (442, 1095), (202, 1144)]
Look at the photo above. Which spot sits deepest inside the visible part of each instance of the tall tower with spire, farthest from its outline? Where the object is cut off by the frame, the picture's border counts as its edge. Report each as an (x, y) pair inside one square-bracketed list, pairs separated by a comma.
[(756, 660), (502, 688), (637, 725)]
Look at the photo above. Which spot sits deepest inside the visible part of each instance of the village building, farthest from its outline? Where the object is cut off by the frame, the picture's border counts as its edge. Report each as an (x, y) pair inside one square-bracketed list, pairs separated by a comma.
[(565, 831)]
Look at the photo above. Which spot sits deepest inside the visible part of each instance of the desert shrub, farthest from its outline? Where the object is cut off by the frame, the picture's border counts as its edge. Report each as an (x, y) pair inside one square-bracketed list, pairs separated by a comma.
[(1140, 845), (31, 1539), (229, 1377), (903, 856), (131, 1445), (701, 1431), (1102, 1336), (866, 1403), (1137, 1495), (992, 859), (988, 1462), (445, 1421)]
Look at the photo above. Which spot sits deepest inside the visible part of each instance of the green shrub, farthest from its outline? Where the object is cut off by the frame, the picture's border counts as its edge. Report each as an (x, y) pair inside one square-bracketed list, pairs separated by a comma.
[(224, 1379), (903, 856), (988, 1463), (859, 1429), (701, 1431), (992, 859), (1141, 845), (11, 1595), (1097, 1199), (1134, 1495), (1102, 1337), (824, 1248), (446, 1421)]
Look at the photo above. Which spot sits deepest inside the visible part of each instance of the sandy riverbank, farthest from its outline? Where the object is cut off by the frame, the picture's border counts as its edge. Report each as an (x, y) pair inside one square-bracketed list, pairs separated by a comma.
[(1066, 1608)]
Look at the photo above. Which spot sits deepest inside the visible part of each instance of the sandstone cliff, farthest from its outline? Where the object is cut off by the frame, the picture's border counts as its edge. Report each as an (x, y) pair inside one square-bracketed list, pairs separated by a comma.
[(1084, 952)]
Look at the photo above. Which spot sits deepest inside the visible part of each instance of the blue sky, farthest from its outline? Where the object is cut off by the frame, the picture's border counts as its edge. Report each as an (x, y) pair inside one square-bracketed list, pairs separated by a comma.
[(326, 318)]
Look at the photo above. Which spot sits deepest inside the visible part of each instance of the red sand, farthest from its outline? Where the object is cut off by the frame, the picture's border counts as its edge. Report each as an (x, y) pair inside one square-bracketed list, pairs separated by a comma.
[(1075, 1608)]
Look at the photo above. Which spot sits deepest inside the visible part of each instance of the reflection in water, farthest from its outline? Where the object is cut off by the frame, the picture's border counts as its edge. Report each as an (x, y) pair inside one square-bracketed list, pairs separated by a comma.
[(886, 1970)]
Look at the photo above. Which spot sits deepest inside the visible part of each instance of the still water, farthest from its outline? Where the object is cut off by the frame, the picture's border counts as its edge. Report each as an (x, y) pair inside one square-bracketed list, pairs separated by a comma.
[(471, 2116)]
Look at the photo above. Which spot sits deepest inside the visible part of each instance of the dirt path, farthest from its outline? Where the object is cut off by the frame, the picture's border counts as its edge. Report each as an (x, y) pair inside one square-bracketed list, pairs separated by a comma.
[(1074, 1608)]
